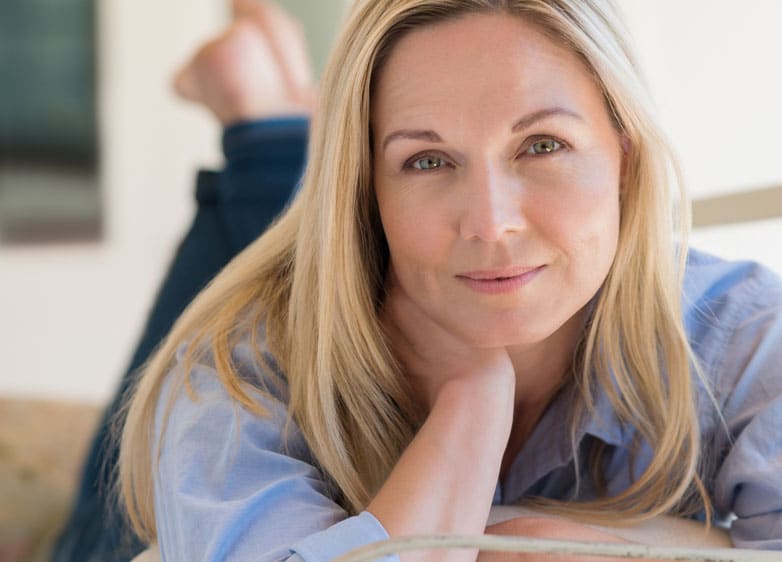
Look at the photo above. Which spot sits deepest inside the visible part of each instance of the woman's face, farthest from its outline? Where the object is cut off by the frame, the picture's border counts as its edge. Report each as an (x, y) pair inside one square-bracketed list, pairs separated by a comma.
[(497, 174)]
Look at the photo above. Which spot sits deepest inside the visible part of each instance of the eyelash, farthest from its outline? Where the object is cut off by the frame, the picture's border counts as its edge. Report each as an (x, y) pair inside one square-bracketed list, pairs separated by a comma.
[(540, 138), (409, 164)]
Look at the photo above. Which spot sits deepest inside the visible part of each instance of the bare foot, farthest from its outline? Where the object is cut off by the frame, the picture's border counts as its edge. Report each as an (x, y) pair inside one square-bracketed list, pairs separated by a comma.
[(258, 67), (287, 40)]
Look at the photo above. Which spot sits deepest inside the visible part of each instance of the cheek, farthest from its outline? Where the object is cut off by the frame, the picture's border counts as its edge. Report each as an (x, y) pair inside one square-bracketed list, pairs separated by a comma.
[(417, 237), (582, 210), (595, 221)]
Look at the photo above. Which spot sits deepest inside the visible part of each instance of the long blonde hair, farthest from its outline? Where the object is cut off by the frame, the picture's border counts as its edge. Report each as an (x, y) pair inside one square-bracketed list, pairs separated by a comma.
[(314, 282)]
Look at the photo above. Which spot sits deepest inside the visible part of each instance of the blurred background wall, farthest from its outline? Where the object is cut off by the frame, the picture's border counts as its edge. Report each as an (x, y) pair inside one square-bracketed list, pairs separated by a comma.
[(71, 313), (711, 67)]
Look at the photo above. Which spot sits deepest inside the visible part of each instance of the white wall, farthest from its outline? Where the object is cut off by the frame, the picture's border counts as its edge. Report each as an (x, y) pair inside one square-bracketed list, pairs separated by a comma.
[(321, 20), (713, 67), (70, 315)]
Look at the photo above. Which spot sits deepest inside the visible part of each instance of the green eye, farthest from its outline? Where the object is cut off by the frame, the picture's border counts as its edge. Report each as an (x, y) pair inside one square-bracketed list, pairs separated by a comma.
[(428, 163), (545, 146)]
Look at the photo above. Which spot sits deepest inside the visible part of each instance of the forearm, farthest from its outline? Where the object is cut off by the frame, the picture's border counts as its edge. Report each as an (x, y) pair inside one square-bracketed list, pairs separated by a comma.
[(674, 531), (660, 531), (445, 480)]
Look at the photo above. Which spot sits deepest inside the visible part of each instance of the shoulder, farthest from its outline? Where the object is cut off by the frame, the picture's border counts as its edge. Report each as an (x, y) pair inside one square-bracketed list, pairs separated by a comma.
[(712, 280), (733, 313), (733, 318), (231, 483), (722, 302), (193, 389), (198, 416)]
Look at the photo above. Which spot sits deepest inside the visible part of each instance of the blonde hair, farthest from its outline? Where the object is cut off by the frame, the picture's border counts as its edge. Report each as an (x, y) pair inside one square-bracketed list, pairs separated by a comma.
[(314, 282)]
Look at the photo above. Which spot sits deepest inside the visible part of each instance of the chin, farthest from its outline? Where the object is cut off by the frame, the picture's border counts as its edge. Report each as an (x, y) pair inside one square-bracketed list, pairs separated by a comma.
[(503, 330)]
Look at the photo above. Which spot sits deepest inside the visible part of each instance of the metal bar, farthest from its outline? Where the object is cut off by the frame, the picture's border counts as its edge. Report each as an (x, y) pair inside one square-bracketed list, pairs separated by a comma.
[(372, 552)]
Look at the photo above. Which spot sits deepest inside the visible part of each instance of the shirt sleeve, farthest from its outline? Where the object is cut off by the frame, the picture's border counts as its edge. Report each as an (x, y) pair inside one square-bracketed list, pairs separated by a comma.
[(231, 486), (748, 482)]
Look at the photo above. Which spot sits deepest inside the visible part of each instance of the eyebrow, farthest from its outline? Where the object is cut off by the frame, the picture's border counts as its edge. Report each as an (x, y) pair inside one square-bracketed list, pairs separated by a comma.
[(523, 123), (529, 120), (430, 136)]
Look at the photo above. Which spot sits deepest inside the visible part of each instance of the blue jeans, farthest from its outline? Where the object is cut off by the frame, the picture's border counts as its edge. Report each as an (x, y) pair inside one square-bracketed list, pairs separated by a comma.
[(263, 163)]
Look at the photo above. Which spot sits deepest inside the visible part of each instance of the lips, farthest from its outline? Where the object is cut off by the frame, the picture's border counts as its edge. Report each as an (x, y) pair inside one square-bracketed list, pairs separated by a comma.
[(502, 280), (500, 273)]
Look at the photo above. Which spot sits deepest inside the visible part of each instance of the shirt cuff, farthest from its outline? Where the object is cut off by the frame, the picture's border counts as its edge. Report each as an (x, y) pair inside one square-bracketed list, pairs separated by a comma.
[(263, 157), (341, 538), (759, 532), (240, 140)]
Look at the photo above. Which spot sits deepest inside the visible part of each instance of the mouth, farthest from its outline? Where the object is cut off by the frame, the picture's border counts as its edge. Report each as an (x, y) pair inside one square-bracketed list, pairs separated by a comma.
[(504, 280)]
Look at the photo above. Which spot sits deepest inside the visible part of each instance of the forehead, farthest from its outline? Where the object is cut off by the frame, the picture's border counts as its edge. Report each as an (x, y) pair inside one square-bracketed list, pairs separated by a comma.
[(480, 61)]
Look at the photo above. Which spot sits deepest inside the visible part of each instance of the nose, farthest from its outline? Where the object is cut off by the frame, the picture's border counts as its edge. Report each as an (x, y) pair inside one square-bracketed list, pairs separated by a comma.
[(492, 205)]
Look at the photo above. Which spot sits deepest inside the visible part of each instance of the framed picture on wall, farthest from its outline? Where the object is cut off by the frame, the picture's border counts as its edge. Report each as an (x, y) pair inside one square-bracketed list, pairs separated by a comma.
[(49, 149)]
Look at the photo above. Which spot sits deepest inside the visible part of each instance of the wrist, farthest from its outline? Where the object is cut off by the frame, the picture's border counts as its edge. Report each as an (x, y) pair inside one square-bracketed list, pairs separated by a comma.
[(492, 388), (479, 406)]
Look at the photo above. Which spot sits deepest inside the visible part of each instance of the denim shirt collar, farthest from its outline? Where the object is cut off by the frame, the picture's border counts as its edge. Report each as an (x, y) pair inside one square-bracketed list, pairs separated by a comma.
[(550, 447)]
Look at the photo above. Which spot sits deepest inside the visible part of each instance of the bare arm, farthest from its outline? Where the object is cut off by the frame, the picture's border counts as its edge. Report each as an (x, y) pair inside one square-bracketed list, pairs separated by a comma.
[(437, 486), (666, 530), (445, 480)]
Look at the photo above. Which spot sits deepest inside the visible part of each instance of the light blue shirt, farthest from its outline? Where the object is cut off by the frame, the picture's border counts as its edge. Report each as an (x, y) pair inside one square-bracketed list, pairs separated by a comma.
[(230, 486)]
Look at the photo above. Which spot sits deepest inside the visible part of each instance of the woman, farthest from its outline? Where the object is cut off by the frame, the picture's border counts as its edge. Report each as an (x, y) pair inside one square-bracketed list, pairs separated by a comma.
[(478, 283)]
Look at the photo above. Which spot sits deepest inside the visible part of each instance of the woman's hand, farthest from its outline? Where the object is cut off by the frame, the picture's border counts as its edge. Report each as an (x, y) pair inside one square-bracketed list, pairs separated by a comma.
[(432, 357), (445, 480), (663, 530)]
